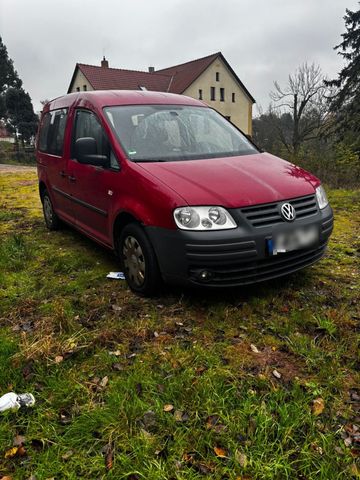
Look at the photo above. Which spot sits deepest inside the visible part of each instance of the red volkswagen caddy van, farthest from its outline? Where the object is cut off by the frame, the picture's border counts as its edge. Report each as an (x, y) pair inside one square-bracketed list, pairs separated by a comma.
[(176, 190)]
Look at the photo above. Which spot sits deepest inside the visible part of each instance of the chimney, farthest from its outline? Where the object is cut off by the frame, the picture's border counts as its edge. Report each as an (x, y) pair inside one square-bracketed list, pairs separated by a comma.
[(151, 69), (104, 63)]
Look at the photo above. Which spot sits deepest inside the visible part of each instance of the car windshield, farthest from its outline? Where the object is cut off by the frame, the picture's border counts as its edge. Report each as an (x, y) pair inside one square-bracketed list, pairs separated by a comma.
[(150, 133)]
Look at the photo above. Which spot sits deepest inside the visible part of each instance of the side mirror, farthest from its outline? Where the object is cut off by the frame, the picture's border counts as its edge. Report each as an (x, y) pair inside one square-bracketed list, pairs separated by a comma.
[(86, 152)]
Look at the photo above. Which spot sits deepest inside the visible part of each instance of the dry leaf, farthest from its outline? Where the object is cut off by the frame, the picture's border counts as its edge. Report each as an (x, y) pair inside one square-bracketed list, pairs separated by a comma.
[(178, 415), (116, 353), (241, 458), (318, 406), (6, 478), (168, 407), (67, 455), (220, 452), (59, 359), (355, 472), (109, 459), (254, 348), (104, 382), (11, 452), (19, 440)]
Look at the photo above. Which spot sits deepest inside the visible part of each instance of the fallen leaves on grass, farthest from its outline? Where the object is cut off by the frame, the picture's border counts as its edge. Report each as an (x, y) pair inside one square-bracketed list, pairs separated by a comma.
[(15, 452), (241, 458), (221, 452), (108, 452), (148, 420), (19, 440), (213, 422), (65, 457), (318, 406), (181, 416), (168, 407)]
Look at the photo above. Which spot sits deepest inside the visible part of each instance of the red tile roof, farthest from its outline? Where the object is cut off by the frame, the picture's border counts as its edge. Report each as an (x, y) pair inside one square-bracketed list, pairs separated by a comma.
[(174, 79), (184, 74), (102, 78)]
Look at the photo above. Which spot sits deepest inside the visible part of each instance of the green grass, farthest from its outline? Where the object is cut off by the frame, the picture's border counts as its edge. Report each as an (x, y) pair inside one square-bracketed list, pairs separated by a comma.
[(102, 363)]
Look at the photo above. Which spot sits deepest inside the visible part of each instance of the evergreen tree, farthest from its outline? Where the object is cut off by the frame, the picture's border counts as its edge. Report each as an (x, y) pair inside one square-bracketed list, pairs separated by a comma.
[(346, 102), (16, 110)]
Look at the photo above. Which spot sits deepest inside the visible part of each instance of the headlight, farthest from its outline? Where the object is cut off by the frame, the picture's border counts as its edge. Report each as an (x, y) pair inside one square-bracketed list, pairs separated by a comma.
[(321, 197), (203, 218)]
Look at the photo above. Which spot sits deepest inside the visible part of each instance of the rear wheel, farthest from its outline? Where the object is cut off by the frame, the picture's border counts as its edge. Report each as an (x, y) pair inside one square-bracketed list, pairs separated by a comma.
[(139, 261), (51, 219)]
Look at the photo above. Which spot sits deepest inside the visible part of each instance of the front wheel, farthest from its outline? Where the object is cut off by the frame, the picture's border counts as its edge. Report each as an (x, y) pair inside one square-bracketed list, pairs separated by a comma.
[(139, 261)]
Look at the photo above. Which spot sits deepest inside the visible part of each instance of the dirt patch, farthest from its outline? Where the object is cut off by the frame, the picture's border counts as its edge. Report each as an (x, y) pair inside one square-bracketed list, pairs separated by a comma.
[(15, 169)]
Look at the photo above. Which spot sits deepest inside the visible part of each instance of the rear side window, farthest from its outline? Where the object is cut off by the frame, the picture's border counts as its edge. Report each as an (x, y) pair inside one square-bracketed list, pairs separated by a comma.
[(52, 130)]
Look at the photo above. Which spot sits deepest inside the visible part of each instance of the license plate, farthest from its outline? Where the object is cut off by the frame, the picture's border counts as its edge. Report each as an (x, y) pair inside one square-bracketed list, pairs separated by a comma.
[(292, 240)]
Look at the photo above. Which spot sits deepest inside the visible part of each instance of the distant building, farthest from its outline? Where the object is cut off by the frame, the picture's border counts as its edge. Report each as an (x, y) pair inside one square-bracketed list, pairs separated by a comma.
[(5, 135), (210, 79)]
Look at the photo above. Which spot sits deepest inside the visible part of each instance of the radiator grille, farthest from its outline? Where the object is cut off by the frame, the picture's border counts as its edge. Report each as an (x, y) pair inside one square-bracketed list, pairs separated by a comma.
[(269, 214)]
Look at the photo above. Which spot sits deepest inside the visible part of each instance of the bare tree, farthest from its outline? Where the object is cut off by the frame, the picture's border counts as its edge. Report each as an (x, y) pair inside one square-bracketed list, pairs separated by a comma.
[(305, 98)]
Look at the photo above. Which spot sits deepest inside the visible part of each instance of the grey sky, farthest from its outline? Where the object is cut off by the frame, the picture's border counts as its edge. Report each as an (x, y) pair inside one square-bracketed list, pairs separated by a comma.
[(263, 40)]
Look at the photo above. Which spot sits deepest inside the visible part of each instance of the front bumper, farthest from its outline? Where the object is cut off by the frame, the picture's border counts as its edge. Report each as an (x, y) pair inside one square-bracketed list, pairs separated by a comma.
[(238, 256)]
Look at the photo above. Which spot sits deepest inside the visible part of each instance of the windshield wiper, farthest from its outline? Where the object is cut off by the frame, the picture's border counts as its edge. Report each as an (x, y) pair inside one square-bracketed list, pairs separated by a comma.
[(139, 160)]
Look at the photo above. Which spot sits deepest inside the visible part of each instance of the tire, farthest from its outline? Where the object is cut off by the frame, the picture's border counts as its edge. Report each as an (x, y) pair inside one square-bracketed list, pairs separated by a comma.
[(139, 261), (52, 221)]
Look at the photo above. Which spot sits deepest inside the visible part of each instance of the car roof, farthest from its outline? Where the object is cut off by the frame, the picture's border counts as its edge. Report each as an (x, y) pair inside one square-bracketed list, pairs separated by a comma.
[(105, 98)]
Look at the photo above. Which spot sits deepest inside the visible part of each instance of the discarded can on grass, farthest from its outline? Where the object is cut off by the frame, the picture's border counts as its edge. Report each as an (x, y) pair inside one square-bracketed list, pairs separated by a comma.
[(13, 401)]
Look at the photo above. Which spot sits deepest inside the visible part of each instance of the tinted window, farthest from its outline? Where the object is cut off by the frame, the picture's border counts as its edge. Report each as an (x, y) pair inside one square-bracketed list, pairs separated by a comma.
[(87, 125), (51, 138)]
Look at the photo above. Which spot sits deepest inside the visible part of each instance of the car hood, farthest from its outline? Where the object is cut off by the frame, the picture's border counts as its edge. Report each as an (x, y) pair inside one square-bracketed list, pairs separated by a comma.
[(234, 181)]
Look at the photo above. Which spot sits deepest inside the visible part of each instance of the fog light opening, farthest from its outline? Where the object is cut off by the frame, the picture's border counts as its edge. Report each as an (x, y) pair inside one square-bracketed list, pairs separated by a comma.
[(204, 275)]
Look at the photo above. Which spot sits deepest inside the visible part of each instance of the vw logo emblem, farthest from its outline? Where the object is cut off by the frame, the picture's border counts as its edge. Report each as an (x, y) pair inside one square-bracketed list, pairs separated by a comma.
[(288, 212)]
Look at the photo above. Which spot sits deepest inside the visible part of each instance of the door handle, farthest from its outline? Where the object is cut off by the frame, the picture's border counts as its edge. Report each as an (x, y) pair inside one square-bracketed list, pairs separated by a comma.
[(62, 174), (71, 178)]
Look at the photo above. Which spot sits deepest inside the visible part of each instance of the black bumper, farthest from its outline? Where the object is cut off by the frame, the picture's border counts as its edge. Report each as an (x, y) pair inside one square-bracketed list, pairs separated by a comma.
[(238, 256)]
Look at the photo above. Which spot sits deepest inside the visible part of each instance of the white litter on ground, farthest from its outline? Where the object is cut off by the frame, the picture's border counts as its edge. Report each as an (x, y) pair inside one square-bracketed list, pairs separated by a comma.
[(116, 275), (13, 401)]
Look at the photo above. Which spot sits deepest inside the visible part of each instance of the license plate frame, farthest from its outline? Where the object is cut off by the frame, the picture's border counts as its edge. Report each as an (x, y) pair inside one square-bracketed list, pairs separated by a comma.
[(292, 240)]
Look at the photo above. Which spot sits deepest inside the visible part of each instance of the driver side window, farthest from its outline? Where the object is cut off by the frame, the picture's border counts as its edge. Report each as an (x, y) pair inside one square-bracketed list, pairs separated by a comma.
[(87, 125)]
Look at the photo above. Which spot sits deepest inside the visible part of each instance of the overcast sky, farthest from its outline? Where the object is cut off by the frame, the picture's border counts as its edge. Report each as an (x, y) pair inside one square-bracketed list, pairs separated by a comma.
[(263, 40)]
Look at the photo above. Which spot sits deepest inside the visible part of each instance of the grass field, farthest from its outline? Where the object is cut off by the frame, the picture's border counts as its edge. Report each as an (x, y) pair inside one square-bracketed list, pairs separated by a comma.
[(184, 386)]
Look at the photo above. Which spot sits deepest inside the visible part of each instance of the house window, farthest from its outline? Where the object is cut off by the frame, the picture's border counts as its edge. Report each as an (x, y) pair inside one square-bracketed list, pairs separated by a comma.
[(217, 76), (233, 97), (200, 94), (212, 93), (78, 89), (85, 88), (222, 94)]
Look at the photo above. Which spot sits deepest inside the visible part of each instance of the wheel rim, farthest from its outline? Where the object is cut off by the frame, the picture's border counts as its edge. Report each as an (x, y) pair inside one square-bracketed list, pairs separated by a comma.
[(134, 261), (48, 211)]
